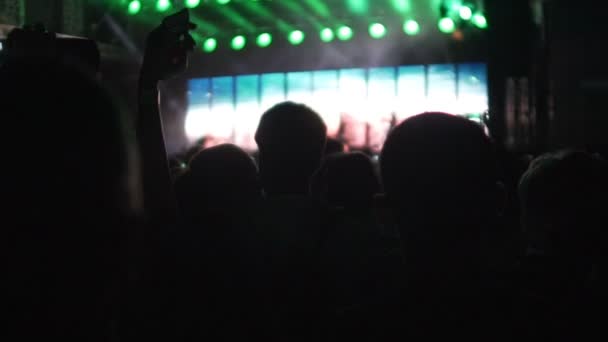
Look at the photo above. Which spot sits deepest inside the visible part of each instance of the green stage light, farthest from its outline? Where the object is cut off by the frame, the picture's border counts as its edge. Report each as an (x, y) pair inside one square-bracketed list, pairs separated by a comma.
[(447, 25), (465, 12), (134, 7), (345, 33), (163, 5), (264, 40), (411, 27), (238, 43), (296, 37), (480, 21), (223, 2), (210, 45), (327, 35), (192, 3), (377, 30)]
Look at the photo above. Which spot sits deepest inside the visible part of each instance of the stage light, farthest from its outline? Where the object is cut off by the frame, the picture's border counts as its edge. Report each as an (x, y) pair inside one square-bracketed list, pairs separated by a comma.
[(480, 21), (264, 40), (210, 45), (296, 37), (411, 27), (238, 43), (377, 30), (134, 7), (223, 2), (327, 35), (447, 25), (465, 12), (345, 33), (163, 5), (192, 3)]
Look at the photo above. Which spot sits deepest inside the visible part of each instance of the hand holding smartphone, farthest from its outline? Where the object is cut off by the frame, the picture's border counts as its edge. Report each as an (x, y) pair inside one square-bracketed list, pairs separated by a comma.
[(167, 47), (178, 23)]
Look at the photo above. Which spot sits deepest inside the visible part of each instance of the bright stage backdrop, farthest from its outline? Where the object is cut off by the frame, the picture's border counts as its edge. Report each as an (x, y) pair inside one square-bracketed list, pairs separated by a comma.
[(358, 105)]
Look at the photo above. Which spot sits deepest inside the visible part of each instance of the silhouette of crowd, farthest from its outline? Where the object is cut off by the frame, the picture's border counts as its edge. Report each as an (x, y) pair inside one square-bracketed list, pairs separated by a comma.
[(446, 236)]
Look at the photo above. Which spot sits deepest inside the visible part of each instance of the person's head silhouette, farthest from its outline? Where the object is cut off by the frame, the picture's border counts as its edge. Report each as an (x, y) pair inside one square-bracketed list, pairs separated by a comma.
[(563, 199), (219, 178), (439, 176), (291, 138), (67, 203)]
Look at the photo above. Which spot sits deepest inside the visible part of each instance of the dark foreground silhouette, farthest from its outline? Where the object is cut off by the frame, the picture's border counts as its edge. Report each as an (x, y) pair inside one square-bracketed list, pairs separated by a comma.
[(108, 241)]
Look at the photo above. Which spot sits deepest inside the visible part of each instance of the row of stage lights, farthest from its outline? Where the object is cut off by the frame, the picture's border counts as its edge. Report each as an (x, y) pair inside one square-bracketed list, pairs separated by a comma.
[(376, 30), (135, 6)]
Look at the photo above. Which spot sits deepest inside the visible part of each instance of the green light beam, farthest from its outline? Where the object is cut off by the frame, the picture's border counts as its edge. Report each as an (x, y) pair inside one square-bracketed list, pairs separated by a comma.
[(320, 8), (257, 9), (205, 26), (358, 6), (297, 8), (237, 18)]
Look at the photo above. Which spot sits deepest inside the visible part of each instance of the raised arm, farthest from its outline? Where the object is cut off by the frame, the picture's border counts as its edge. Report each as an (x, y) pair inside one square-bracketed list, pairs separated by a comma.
[(165, 55)]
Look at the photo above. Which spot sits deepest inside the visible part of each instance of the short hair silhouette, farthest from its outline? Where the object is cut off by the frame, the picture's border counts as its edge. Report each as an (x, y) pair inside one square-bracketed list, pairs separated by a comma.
[(218, 177), (440, 160), (439, 174), (76, 129), (347, 180), (563, 198), (291, 138)]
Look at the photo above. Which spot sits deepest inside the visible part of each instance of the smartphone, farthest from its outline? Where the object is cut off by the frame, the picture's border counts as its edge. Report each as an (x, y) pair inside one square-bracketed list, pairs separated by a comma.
[(178, 22)]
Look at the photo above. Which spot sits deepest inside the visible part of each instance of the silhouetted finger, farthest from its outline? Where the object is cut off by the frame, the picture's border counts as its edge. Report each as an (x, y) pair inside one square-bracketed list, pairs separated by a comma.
[(188, 42)]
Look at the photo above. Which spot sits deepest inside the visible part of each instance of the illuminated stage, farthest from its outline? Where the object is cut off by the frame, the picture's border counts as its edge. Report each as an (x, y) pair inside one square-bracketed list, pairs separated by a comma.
[(358, 105), (363, 65)]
